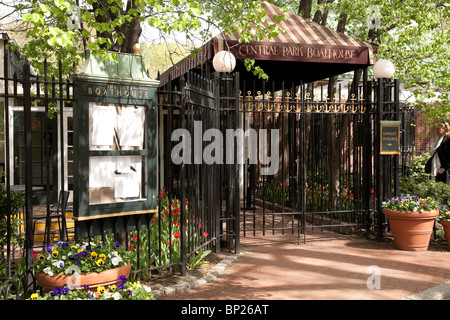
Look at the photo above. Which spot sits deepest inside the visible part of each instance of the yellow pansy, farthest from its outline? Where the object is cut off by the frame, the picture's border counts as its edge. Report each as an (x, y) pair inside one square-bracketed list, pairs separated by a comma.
[(101, 290), (93, 255), (55, 253), (34, 296), (100, 262), (102, 256)]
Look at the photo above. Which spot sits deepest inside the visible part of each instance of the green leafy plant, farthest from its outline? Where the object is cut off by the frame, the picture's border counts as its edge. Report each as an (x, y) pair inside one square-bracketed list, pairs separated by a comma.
[(16, 201), (417, 168), (427, 188), (197, 260)]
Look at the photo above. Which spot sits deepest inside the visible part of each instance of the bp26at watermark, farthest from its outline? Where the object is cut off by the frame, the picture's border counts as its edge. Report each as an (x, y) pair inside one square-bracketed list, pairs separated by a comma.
[(228, 309)]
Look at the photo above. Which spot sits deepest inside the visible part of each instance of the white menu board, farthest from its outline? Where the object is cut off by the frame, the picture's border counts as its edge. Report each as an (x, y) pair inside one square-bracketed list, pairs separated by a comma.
[(116, 127)]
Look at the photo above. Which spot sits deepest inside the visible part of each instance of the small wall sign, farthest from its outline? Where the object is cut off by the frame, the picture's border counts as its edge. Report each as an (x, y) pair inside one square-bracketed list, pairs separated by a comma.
[(389, 137)]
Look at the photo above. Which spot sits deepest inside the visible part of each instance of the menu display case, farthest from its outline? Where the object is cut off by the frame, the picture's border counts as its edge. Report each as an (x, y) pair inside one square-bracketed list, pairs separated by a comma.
[(115, 152), (117, 127)]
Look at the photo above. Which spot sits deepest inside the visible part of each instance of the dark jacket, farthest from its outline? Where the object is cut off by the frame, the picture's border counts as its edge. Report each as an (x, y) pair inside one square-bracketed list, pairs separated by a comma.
[(444, 157)]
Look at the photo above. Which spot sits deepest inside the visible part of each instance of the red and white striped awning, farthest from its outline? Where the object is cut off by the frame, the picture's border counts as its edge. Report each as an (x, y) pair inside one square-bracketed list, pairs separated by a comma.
[(302, 41)]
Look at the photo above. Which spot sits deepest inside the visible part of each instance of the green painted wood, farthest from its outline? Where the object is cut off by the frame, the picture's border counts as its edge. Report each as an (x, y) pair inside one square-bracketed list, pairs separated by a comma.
[(125, 83)]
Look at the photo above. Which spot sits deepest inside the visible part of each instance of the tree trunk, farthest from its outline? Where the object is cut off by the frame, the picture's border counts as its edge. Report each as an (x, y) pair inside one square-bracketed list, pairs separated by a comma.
[(304, 9), (130, 30), (335, 134)]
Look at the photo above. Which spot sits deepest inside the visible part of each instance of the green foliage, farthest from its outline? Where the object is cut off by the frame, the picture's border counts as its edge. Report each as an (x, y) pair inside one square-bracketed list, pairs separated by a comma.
[(417, 168), (57, 29), (15, 283), (419, 183), (413, 34), (160, 57), (17, 201), (428, 188), (161, 245), (197, 260)]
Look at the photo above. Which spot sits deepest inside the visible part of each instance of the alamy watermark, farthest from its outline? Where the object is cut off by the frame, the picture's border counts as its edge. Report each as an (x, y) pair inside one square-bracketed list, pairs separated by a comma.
[(190, 149), (374, 280)]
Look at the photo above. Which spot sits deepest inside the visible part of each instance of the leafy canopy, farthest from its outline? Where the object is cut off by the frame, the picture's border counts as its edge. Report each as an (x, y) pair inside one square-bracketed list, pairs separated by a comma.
[(413, 34), (60, 30)]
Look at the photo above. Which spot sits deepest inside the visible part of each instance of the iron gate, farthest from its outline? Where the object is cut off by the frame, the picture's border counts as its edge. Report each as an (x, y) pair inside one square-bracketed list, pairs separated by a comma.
[(194, 115), (324, 144), (295, 157)]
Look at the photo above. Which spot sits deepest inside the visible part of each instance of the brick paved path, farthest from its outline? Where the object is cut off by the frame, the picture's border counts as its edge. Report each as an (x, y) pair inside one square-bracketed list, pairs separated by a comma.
[(330, 266)]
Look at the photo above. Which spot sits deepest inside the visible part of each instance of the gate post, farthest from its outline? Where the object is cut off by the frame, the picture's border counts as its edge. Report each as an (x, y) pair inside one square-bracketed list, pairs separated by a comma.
[(377, 162), (367, 152), (217, 188), (236, 194), (183, 216), (386, 164), (28, 170)]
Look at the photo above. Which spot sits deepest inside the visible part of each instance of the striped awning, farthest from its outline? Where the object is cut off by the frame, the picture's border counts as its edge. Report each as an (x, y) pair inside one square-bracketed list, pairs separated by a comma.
[(302, 41)]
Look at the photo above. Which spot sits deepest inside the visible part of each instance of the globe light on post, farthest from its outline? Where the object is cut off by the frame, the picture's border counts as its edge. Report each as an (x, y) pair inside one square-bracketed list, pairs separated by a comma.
[(224, 61), (383, 69)]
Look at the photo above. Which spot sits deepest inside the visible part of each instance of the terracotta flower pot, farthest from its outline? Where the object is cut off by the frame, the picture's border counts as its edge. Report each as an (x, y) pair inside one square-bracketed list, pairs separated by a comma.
[(412, 230), (446, 226), (93, 280)]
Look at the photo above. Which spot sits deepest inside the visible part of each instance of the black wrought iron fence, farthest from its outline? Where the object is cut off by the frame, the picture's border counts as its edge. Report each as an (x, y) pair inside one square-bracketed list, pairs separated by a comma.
[(210, 185), (34, 113), (193, 214)]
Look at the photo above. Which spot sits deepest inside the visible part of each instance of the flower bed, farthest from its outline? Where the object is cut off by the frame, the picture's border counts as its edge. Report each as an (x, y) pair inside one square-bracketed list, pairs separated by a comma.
[(124, 290)]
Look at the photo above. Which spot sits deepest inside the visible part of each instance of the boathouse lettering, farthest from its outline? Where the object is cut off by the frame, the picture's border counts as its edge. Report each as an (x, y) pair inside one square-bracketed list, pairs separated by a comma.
[(118, 91)]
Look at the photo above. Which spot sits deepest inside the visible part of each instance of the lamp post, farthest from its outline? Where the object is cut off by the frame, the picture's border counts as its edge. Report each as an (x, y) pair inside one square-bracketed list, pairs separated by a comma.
[(383, 69), (387, 109), (224, 61)]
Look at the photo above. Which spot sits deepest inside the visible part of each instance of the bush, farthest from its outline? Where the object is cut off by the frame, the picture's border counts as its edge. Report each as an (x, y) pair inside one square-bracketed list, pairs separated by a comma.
[(419, 182), (417, 168), (428, 188), (17, 200)]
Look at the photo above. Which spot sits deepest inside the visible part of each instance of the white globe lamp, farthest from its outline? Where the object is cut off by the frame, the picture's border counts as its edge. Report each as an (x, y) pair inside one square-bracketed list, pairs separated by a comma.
[(383, 69), (224, 61)]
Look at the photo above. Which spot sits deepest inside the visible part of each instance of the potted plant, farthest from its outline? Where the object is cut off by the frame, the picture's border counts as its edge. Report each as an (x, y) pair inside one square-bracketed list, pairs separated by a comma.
[(411, 220), (79, 264), (444, 220)]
